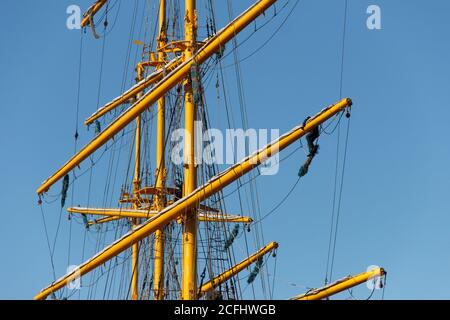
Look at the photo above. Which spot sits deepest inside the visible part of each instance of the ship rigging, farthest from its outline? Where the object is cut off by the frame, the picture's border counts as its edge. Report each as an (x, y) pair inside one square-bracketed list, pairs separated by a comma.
[(170, 231)]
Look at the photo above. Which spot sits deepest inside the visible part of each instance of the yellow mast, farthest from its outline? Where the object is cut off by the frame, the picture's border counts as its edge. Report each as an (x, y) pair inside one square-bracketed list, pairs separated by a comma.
[(341, 285), (91, 12), (120, 213), (221, 278), (185, 209), (134, 91), (189, 259), (160, 198), (136, 188), (135, 221)]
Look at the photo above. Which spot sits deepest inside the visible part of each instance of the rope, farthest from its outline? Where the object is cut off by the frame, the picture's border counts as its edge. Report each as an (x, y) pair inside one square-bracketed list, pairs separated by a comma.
[(97, 125), (335, 222), (78, 92), (230, 121), (101, 69), (115, 18), (280, 203), (244, 118), (57, 232), (274, 255), (75, 147), (259, 28), (48, 243), (339, 199), (333, 207), (273, 34)]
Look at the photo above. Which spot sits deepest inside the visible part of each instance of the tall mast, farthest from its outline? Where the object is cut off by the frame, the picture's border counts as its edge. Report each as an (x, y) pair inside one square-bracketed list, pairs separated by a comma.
[(186, 208), (160, 199), (135, 221), (136, 187), (183, 69), (189, 259)]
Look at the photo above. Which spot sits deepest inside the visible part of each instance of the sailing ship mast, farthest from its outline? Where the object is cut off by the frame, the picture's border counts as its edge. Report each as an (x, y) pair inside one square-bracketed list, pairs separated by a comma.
[(160, 200), (189, 258), (149, 218)]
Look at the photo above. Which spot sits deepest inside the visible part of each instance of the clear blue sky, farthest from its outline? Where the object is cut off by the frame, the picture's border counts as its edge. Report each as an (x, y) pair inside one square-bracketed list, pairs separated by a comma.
[(395, 210)]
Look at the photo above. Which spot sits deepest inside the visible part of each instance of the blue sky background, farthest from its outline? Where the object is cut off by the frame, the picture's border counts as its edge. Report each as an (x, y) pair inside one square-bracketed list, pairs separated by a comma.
[(395, 211)]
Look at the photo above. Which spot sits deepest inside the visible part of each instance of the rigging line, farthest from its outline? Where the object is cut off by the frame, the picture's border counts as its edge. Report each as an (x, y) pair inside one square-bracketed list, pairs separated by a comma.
[(118, 161), (82, 257), (128, 54), (57, 232), (230, 119), (133, 272), (92, 284), (101, 70), (50, 201), (238, 182), (280, 203), (132, 146), (167, 136), (344, 33), (76, 141), (70, 232), (48, 243), (244, 118), (256, 176), (256, 30), (339, 199), (155, 29), (334, 224), (274, 274), (208, 256), (271, 37), (254, 196), (230, 257), (110, 268), (209, 172), (101, 237), (265, 261), (88, 204), (106, 200), (104, 13), (139, 33), (113, 156), (337, 117), (371, 294), (334, 205), (350, 291), (115, 18), (111, 278), (93, 163), (78, 91)]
